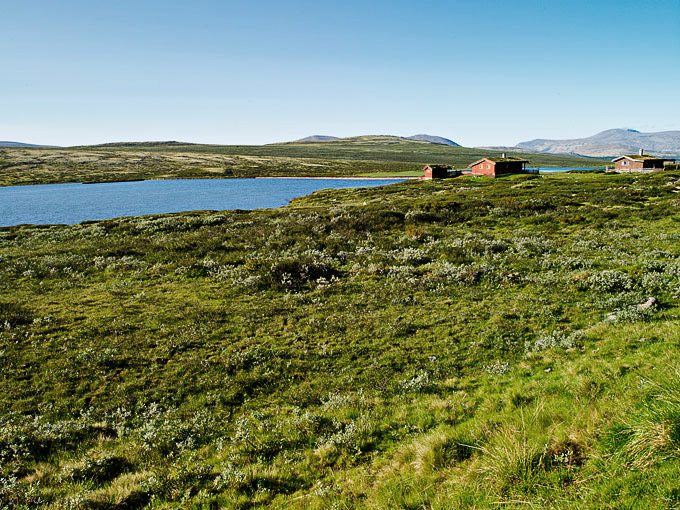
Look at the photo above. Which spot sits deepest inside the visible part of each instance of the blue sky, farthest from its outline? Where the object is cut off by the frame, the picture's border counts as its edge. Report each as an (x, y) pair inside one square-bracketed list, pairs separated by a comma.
[(485, 72)]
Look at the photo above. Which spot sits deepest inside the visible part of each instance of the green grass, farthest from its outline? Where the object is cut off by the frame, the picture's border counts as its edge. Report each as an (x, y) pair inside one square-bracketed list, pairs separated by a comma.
[(437, 344)]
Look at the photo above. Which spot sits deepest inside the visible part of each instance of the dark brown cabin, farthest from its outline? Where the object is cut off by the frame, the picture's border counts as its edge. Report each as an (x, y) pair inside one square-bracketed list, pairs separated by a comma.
[(637, 163), (493, 167), (436, 171)]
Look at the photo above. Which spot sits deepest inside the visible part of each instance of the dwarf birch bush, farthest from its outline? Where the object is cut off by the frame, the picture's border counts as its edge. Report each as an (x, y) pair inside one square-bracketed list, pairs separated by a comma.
[(610, 281), (556, 339)]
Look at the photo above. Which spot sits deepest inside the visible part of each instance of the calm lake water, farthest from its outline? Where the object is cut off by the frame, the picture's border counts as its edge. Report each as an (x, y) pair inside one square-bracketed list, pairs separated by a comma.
[(73, 203), (543, 169)]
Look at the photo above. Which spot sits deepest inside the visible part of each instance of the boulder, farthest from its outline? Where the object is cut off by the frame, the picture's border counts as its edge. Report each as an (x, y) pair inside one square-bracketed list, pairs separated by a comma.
[(652, 301)]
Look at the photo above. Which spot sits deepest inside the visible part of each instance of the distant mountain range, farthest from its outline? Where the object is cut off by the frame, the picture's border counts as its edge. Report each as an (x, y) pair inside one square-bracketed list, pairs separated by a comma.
[(609, 143), (421, 138), (19, 144)]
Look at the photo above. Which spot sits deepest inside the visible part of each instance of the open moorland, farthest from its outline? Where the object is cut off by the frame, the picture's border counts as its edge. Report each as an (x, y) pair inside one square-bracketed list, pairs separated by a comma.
[(439, 344), (171, 160)]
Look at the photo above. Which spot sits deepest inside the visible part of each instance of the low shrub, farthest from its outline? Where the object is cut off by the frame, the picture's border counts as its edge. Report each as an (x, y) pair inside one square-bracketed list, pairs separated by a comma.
[(556, 339), (610, 281), (15, 494), (13, 314), (291, 273), (96, 468)]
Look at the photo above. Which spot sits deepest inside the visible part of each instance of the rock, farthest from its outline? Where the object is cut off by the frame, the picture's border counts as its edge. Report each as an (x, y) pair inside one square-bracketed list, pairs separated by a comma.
[(513, 277), (652, 301), (611, 316)]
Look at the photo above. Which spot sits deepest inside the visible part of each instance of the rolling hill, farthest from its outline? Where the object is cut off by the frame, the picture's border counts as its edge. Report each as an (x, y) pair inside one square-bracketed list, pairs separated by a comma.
[(439, 140), (358, 156), (434, 139), (24, 145), (318, 138), (375, 148)]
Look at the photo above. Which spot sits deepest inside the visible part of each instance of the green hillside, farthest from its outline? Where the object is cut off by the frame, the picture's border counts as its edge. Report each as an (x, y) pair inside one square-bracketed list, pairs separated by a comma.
[(468, 343), (367, 148), (166, 160)]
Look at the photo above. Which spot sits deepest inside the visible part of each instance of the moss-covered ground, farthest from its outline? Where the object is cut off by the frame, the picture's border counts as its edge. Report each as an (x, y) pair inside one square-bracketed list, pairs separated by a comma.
[(445, 344)]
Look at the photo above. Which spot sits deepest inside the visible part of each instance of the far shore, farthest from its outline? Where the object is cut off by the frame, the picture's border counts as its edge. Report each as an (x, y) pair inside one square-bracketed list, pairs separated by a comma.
[(338, 178)]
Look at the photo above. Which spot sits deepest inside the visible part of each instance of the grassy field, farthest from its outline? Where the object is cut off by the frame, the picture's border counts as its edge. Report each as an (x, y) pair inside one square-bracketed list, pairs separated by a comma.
[(382, 156), (468, 343)]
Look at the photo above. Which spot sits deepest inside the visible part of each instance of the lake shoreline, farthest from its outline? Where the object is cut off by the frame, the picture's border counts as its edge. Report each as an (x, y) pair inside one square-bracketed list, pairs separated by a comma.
[(336, 178)]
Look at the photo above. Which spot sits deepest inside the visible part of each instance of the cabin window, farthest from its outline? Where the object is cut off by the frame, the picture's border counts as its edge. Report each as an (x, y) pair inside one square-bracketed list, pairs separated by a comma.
[(625, 163), (488, 166)]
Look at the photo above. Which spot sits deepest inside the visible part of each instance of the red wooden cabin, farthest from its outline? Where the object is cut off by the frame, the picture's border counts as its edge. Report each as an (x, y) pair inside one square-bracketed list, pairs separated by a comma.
[(493, 167), (637, 163)]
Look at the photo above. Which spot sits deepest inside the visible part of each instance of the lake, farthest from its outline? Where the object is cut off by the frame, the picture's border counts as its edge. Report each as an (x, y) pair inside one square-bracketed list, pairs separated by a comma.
[(73, 203), (544, 169)]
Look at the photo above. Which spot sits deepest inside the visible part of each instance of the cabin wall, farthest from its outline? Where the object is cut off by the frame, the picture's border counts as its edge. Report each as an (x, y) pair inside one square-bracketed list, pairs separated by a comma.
[(653, 163), (509, 167), (649, 165), (484, 168), (436, 172), (439, 173), (627, 165)]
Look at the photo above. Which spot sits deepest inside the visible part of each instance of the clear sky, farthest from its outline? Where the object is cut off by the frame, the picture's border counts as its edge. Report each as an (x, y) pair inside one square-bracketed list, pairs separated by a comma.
[(484, 72)]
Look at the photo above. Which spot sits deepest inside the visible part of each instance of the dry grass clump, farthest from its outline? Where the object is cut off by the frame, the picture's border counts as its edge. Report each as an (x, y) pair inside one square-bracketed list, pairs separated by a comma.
[(652, 434)]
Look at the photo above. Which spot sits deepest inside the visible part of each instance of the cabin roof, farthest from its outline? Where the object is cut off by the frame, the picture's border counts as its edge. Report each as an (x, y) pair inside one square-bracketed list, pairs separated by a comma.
[(635, 157), (499, 160)]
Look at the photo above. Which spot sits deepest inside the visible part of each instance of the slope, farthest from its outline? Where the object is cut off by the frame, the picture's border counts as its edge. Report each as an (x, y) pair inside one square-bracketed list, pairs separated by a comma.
[(428, 344), (366, 155)]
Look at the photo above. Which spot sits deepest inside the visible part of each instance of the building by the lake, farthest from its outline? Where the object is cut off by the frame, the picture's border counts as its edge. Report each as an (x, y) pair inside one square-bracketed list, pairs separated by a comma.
[(637, 163), (437, 172), (493, 167)]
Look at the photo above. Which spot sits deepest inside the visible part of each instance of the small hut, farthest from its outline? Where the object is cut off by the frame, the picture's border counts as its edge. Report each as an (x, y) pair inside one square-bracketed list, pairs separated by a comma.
[(637, 163)]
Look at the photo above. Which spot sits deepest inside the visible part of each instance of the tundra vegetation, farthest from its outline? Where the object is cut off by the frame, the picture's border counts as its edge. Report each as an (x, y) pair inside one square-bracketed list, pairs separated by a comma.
[(379, 156), (440, 344)]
